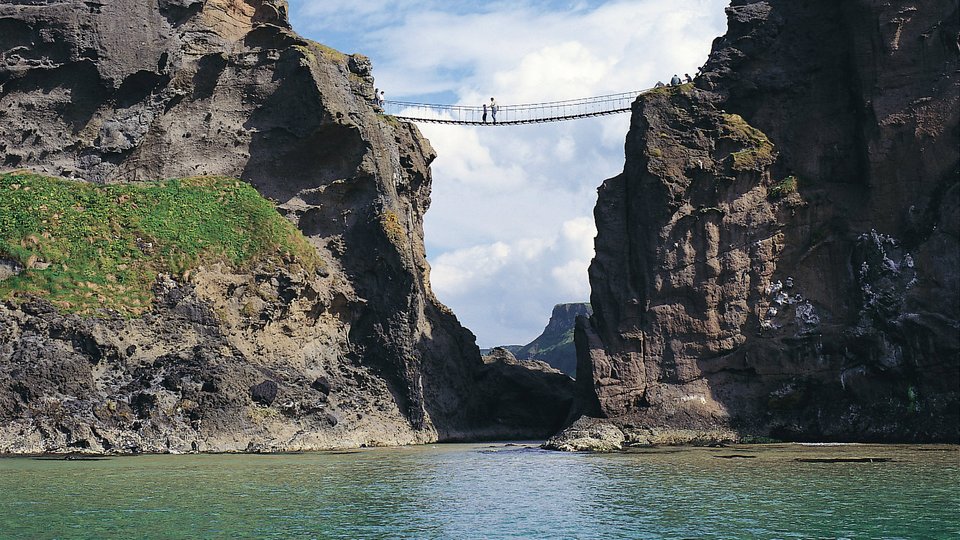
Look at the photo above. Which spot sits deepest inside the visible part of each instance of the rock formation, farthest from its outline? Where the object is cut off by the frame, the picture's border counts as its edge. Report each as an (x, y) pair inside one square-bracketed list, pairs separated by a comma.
[(361, 353), (780, 256), (526, 393)]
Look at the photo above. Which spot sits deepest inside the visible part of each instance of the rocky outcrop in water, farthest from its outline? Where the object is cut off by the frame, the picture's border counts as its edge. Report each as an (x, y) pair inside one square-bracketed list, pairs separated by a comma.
[(361, 353), (780, 255), (587, 435)]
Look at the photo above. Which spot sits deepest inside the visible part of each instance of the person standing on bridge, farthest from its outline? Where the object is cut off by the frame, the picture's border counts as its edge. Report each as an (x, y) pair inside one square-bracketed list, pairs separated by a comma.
[(484, 113), (493, 109), (675, 81)]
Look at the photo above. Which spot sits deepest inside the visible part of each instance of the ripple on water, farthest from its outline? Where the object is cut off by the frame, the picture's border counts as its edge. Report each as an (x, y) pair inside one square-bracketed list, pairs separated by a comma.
[(494, 491)]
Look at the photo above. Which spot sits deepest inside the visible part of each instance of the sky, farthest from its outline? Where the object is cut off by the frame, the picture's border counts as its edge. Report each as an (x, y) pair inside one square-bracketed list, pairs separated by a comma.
[(510, 230)]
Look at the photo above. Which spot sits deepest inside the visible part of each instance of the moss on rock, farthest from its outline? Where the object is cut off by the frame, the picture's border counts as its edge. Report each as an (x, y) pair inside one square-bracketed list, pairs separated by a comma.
[(758, 151)]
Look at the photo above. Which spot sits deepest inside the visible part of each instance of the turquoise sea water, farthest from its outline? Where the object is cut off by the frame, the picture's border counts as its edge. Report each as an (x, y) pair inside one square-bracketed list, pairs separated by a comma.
[(492, 491)]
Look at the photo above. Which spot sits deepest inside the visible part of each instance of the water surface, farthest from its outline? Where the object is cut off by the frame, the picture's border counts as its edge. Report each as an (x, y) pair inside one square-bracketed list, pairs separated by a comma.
[(493, 491)]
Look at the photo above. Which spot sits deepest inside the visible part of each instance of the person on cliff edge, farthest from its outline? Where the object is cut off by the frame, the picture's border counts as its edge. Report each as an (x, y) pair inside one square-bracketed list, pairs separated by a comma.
[(675, 81), (493, 109), (687, 78)]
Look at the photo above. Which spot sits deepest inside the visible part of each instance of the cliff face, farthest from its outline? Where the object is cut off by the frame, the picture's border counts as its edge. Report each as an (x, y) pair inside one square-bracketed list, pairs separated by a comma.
[(780, 255), (359, 353)]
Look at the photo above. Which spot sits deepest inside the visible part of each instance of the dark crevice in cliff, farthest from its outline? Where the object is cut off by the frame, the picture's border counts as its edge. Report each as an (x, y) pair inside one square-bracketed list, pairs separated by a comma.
[(178, 12), (209, 69)]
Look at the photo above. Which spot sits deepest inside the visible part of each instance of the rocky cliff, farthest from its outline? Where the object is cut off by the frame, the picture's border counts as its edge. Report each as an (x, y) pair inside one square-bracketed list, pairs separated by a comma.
[(265, 358), (780, 256)]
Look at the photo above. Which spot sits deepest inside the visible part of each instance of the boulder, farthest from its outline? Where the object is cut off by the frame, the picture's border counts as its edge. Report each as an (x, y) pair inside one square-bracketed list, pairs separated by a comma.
[(264, 393), (588, 435)]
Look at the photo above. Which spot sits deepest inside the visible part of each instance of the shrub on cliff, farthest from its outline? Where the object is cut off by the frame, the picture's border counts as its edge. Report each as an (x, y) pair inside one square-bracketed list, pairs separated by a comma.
[(782, 188)]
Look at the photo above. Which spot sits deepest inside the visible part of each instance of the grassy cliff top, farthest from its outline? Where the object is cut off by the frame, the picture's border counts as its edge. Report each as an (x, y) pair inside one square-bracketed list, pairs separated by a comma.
[(87, 247)]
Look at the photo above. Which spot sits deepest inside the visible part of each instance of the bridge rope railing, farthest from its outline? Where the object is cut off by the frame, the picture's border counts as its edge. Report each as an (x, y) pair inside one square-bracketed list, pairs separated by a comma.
[(529, 113)]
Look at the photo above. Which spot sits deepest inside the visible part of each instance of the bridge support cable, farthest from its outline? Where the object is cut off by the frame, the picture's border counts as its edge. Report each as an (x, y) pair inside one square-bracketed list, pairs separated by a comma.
[(507, 115)]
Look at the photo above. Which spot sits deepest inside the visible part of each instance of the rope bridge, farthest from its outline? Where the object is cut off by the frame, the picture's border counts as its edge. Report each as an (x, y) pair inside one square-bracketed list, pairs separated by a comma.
[(511, 115)]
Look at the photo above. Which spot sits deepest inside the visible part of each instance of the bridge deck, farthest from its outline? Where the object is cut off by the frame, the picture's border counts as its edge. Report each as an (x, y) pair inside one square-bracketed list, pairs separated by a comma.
[(512, 115)]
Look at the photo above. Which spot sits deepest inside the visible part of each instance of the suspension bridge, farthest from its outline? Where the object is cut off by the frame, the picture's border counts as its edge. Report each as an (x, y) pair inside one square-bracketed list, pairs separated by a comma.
[(511, 115)]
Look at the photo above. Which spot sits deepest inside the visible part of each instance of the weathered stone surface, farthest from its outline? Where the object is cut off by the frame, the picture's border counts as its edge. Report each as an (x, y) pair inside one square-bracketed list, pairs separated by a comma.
[(780, 255), (9, 268), (588, 435), (264, 393), (130, 91)]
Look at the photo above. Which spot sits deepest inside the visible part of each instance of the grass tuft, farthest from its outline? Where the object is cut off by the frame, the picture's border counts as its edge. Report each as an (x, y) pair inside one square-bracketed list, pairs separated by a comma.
[(312, 50), (782, 188), (758, 151)]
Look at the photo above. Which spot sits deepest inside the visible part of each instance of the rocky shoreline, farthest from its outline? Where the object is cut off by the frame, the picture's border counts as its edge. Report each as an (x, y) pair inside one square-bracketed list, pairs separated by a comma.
[(779, 258)]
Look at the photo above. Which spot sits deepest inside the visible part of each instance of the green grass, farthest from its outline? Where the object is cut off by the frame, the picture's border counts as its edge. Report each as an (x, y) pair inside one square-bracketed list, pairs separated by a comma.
[(314, 49), (392, 120), (87, 247), (758, 151), (782, 188)]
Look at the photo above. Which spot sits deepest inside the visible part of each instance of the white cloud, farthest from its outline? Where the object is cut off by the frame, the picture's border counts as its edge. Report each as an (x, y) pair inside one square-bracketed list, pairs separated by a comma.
[(565, 149), (510, 231), (500, 184), (569, 66), (528, 54)]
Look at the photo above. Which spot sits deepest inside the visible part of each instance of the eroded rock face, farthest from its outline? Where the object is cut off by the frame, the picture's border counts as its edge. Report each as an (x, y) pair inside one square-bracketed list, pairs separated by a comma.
[(131, 91), (780, 255), (588, 435)]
